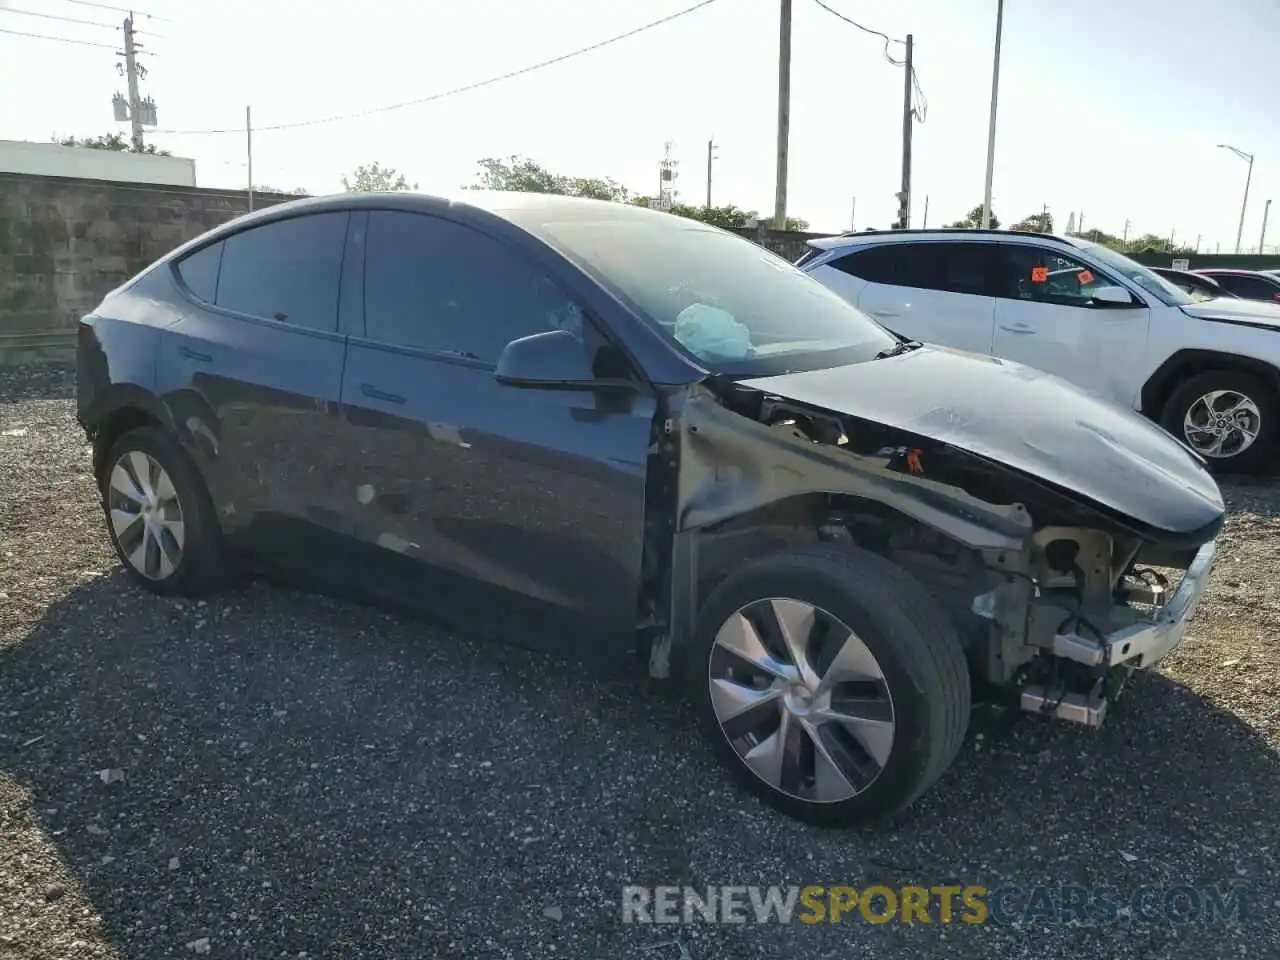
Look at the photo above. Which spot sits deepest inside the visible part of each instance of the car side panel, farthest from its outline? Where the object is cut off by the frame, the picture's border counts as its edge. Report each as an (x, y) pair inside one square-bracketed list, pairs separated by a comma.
[(256, 403), (519, 512)]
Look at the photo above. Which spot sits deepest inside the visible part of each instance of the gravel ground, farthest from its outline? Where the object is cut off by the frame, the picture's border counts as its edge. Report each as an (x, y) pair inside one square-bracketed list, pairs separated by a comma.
[(300, 777)]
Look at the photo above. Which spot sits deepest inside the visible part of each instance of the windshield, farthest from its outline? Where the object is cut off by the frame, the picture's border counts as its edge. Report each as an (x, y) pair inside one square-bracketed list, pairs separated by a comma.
[(731, 304), (1153, 283)]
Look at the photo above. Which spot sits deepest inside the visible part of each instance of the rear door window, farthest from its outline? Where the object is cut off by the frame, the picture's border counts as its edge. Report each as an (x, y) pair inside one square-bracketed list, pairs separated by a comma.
[(1251, 288), (286, 271), (952, 267)]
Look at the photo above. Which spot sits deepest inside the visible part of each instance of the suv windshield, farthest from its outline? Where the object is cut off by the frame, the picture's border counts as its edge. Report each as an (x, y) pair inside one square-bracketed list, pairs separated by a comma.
[(1153, 283), (734, 306)]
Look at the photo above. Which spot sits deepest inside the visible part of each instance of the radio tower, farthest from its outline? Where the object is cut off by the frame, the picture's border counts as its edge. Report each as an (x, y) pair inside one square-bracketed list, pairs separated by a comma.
[(668, 171)]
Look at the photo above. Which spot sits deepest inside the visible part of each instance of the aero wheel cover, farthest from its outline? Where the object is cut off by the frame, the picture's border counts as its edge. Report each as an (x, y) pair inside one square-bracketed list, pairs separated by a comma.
[(146, 516), (1222, 424), (801, 699)]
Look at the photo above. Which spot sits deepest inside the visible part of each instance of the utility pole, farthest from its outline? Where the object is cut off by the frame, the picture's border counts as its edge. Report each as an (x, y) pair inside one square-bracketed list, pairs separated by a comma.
[(904, 198), (1172, 234), (924, 224), (1248, 177), (784, 116), (668, 172), (711, 146), (853, 216), (1124, 241), (1198, 236), (248, 138), (131, 69), (991, 124), (1266, 212)]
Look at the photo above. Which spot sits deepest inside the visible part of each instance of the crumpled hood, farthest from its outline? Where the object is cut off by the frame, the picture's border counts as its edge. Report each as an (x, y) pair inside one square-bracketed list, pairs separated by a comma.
[(1256, 313), (1026, 419)]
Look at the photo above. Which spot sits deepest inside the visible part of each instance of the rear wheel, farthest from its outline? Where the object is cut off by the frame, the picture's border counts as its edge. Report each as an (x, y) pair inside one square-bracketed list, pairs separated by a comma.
[(1227, 416), (831, 683), (159, 514)]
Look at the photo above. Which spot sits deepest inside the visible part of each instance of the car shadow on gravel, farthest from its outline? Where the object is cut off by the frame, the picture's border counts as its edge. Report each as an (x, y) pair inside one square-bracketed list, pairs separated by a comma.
[(278, 771)]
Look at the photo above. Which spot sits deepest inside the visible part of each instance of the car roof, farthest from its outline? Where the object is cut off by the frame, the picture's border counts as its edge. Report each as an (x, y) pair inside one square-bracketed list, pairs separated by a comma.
[(524, 211), (871, 237), (1234, 271), (1188, 274)]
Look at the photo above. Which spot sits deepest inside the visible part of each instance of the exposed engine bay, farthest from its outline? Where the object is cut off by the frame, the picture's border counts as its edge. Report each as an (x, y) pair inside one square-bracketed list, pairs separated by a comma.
[(1056, 600)]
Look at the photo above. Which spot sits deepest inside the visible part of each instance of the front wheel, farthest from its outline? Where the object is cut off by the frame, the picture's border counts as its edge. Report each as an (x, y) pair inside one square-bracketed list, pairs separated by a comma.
[(1226, 416), (831, 683)]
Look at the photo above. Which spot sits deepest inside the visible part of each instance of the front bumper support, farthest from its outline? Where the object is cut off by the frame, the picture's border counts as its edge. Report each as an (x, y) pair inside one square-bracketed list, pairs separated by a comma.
[(1145, 642)]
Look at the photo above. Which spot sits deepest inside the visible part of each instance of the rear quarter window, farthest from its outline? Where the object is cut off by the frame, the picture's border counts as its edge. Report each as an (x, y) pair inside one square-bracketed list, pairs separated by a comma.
[(199, 271)]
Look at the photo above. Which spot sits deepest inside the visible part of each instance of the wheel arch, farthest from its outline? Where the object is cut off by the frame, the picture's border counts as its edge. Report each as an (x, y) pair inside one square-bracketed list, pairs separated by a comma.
[(703, 557), (1191, 362), (125, 407)]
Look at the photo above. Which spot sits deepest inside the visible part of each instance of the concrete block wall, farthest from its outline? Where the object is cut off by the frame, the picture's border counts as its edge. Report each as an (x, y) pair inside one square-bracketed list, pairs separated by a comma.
[(64, 242)]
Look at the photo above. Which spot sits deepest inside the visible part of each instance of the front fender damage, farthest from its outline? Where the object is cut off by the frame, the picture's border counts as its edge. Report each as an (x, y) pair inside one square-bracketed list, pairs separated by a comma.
[(1042, 587), (737, 455)]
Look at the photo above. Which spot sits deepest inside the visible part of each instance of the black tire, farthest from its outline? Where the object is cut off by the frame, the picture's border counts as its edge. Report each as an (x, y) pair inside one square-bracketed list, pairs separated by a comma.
[(201, 567), (1245, 384), (911, 638)]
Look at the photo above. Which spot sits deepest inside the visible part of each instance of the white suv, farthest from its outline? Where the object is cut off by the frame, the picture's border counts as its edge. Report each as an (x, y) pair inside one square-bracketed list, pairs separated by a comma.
[(1208, 371)]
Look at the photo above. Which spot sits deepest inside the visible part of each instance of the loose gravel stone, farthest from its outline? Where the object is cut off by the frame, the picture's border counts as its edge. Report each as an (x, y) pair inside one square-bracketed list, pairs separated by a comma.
[(308, 778)]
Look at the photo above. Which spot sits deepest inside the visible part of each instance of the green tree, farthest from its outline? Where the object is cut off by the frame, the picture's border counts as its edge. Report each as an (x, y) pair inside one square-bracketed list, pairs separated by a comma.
[(1095, 235), (973, 220), (111, 141), (523, 175), (731, 217), (1036, 223), (295, 192), (375, 178)]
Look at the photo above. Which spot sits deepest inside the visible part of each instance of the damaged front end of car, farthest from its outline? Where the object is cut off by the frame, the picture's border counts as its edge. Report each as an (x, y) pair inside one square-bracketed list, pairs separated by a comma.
[(1058, 589)]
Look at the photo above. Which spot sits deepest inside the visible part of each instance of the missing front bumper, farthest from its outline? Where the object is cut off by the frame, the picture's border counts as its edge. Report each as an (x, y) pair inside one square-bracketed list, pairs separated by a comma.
[(1145, 642), (1138, 645)]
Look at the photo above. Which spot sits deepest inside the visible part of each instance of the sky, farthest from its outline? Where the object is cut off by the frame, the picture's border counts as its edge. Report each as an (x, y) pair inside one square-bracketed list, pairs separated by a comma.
[(1113, 109)]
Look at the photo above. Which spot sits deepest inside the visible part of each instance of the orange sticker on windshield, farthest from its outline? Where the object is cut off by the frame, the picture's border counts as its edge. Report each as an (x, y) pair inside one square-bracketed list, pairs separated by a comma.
[(1039, 274), (1086, 278)]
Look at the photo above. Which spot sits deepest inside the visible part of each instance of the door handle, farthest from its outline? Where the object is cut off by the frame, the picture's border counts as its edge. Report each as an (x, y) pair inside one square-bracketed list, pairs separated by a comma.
[(195, 355), (369, 390), (885, 313), (1017, 328)]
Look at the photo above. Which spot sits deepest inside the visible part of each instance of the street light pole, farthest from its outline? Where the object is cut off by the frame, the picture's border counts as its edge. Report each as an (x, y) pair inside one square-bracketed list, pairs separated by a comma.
[(1248, 177), (1262, 240), (991, 123)]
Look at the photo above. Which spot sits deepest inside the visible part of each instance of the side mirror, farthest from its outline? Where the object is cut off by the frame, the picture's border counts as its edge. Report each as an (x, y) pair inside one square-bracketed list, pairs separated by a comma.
[(1113, 297), (554, 359), (557, 360)]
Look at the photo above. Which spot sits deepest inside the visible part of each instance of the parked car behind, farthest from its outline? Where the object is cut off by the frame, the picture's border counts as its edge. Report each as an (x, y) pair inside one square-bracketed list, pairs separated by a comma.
[(604, 431), (1247, 284), (1197, 286), (1209, 371)]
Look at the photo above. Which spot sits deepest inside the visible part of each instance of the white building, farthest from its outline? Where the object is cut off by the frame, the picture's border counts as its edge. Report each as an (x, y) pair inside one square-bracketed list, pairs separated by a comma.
[(55, 160)]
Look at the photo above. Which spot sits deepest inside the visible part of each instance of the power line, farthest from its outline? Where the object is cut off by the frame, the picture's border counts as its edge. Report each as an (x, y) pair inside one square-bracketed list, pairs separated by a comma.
[(54, 16), (456, 90), (41, 36), (104, 6), (920, 111), (875, 33)]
